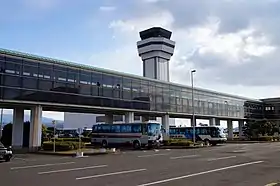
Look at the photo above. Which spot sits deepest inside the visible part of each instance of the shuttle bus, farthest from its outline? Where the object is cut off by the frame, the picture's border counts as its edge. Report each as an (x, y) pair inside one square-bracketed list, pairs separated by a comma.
[(209, 134), (146, 134)]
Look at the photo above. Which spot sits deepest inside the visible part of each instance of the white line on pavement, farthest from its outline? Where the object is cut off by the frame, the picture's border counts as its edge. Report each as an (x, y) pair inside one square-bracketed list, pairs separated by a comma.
[(110, 174), (74, 169), (222, 158), (180, 157), (44, 165), (151, 155), (200, 173)]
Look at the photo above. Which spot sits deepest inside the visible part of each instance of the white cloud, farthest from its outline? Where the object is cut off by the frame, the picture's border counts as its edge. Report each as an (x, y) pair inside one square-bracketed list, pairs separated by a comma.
[(225, 41), (107, 8)]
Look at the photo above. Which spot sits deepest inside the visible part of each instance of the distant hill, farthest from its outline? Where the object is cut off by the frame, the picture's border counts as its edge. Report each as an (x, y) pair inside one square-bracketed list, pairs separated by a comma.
[(8, 118)]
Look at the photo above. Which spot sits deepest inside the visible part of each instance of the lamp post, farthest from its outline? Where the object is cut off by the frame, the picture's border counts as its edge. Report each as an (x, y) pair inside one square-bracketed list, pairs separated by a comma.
[(193, 114), (1, 124), (54, 136)]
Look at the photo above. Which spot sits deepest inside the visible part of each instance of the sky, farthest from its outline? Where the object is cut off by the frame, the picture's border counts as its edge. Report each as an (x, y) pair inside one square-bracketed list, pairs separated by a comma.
[(232, 44)]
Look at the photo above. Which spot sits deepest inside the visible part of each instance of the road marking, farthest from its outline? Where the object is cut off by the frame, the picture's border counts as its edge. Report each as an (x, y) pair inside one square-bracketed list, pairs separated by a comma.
[(44, 165), (180, 157), (74, 169), (242, 150), (150, 155), (110, 174), (200, 173), (222, 158), (272, 184)]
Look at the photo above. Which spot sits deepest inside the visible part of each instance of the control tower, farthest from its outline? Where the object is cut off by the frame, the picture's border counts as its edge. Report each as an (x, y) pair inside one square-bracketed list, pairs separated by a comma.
[(156, 49)]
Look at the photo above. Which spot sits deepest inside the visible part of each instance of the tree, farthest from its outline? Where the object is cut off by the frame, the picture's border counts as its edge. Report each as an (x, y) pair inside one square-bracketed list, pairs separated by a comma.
[(7, 134), (254, 128)]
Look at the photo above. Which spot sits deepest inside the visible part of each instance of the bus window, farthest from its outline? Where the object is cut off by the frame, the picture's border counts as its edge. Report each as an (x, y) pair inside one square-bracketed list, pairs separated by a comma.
[(115, 128), (136, 128), (144, 128), (182, 131), (172, 131), (106, 128), (94, 129), (125, 128)]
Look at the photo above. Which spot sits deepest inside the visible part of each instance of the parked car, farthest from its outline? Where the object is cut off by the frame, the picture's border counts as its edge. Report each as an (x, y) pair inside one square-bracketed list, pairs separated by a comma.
[(5, 153)]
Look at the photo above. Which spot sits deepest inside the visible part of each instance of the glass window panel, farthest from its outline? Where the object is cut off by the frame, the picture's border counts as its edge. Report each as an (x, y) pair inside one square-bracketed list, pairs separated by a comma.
[(107, 80), (12, 81), (45, 73), (30, 71), (125, 128), (115, 128), (45, 85), (126, 88), (60, 75), (12, 68), (29, 63), (144, 88), (136, 128), (72, 75), (30, 83), (85, 89), (13, 59), (11, 94)]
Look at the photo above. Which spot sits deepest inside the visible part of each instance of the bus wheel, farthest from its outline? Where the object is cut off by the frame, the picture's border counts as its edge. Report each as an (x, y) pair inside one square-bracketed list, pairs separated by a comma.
[(104, 143), (136, 144), (207, 142)]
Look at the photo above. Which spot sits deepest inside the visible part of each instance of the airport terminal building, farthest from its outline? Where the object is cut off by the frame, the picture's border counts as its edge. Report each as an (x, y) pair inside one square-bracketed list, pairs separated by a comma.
[(39, 83)]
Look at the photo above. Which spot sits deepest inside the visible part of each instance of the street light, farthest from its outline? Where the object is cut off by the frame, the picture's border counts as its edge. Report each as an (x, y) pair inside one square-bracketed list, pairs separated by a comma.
[(1, 124), (193, 114), (54, 136)]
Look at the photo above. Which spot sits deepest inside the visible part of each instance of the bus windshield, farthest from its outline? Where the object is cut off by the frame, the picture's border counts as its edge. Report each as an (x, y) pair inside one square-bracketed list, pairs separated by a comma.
[(153, 128)]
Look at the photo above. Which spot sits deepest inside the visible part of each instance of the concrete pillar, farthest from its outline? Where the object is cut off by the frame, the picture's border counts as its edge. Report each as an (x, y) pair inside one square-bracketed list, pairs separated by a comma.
[(192, 122), (230, 129), (165, 123), (240, 128), (214, 122), (129, 117), (18, 120), (35, 128), (109, 118)]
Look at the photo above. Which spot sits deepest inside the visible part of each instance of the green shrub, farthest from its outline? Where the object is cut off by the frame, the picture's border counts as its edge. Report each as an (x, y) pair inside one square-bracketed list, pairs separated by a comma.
[(83, 139), (178, 142), (62, 145)]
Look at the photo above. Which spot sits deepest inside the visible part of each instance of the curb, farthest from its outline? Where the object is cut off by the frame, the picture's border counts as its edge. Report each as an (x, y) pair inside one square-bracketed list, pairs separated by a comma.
[(246, 142), (72, 154), (182, 147)]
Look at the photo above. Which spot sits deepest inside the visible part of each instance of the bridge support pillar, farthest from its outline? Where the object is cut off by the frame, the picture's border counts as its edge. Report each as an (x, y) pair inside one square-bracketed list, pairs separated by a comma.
[(129, 117), (240, 128), (214, 122), (193, 122), (17, 134), (35, 129), (109, 118), (165, 123), (230, 129)]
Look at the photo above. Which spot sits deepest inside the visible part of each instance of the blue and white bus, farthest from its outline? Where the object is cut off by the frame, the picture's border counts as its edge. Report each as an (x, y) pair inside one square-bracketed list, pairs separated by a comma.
[(146, 134), (209, 134)]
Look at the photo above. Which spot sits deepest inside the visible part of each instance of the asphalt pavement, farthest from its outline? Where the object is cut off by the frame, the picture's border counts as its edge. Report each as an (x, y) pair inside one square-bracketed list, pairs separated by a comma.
[(230, 164)]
